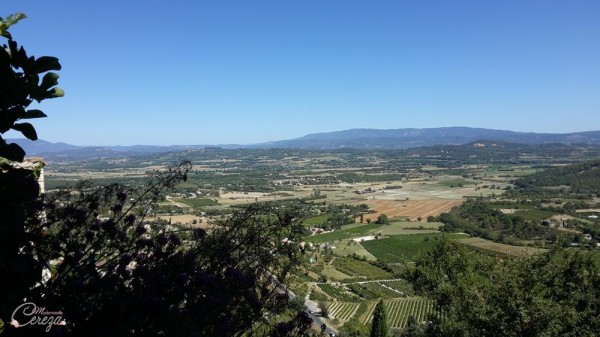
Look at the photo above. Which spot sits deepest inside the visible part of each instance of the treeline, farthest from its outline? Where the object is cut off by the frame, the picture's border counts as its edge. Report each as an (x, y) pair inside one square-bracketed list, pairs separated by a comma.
[(582, 178), (479, 218)]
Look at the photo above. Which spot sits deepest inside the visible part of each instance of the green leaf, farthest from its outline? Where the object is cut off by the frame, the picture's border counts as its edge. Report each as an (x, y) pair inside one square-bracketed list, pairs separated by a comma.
[(4, 31), (34, 113), (53, 93), (56, 92), (49, 80), (46, 63), (9, 21), (27, 130), (14, 18)]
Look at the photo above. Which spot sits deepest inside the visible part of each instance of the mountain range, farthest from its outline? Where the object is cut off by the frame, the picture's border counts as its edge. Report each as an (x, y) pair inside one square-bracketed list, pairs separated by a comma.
[(409, 138), (354, 138)]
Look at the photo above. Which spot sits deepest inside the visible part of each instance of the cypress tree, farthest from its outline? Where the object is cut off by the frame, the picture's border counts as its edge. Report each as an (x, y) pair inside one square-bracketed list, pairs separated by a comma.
[(379, 327)]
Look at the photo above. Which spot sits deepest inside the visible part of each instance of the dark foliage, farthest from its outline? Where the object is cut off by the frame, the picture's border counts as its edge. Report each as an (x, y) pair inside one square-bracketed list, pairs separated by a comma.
[(19, 86), (554, 294), (582, 178), (479, 218), (379, 327), (114, 273)]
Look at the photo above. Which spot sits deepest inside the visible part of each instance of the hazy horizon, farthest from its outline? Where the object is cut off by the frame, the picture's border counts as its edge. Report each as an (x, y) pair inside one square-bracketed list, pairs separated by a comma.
[(272, 140), (183, 72)]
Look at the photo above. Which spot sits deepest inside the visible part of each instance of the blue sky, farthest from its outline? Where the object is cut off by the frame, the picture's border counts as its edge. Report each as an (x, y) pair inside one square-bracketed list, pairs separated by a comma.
[(216, 72)]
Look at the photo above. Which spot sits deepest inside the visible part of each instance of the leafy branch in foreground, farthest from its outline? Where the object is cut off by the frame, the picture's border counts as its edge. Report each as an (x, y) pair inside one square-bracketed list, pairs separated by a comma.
[(20, 207), (20, 85)]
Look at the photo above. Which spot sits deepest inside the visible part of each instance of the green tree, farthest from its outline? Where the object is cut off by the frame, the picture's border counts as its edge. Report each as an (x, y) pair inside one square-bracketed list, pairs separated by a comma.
[(382, 219), (412, 329), (324, 309), (379, 327), (354, 328), (553, 294)]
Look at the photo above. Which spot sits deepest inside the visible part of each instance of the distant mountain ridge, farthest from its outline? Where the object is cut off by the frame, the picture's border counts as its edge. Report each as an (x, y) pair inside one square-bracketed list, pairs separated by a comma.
[(411, 137), (42, 147), (353, 138)]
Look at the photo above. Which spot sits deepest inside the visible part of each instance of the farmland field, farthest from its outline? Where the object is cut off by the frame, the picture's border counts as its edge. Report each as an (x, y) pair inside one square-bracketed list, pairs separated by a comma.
[(399, 310), (358, 268), (410, 227), (358, 230), (343, 233), (405, 247), (337, 292), (374, 290), (348, 247), (455, 183), (402, 286), (200, 202), (502, 249), (317, 220), (333, 274), (411, 209), (343, 310)]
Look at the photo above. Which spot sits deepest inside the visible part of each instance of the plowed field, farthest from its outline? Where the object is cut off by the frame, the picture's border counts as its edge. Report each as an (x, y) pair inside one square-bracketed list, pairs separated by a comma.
[(411, 209)]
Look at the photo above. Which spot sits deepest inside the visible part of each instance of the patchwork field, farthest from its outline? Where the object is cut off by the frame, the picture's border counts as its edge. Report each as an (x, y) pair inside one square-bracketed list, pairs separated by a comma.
[(411, 209)]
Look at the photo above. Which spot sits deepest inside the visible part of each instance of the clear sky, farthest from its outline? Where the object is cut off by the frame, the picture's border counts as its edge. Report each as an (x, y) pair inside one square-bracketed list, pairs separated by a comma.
[(217, 72)]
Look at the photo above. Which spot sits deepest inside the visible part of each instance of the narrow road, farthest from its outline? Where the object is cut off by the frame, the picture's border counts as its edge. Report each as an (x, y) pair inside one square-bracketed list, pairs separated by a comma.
[(314, 312), (310, 307)]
